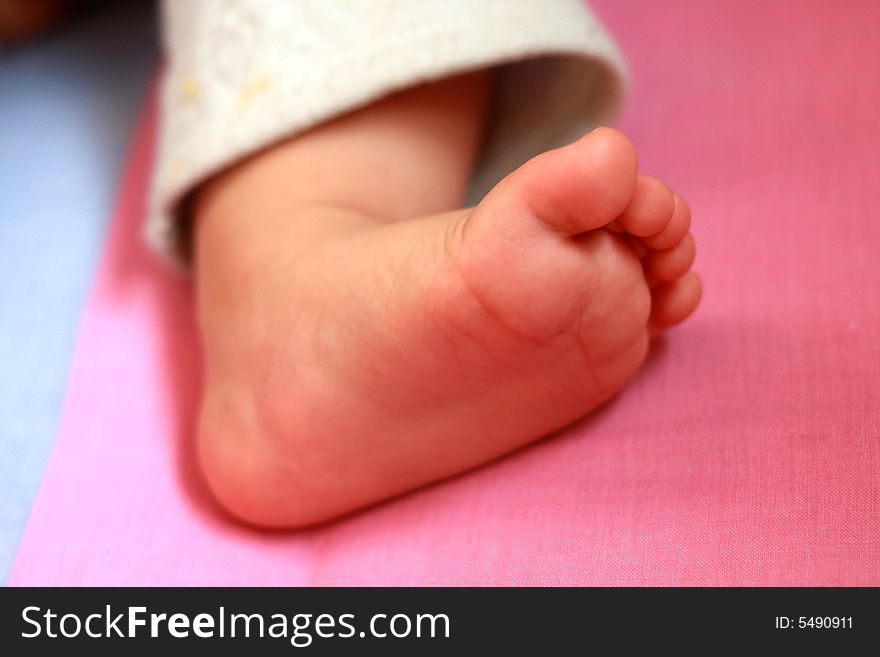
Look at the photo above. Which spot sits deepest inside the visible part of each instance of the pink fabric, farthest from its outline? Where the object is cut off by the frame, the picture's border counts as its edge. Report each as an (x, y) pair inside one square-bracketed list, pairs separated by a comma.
[(747, 451)]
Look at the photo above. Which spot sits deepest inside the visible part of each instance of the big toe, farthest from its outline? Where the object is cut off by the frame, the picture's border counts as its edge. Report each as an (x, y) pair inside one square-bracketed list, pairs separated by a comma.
[(566, 191)]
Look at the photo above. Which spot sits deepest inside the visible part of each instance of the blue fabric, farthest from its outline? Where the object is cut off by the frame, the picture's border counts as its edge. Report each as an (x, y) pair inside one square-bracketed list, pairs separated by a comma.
[(68, 103)]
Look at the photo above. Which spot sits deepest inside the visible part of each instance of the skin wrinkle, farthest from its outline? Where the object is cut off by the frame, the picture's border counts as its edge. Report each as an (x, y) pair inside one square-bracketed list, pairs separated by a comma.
[(396, 280), (483, 303), (458, 328)]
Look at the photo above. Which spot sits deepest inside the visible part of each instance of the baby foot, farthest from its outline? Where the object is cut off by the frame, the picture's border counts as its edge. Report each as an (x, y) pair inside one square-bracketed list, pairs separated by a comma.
[(371, 358)]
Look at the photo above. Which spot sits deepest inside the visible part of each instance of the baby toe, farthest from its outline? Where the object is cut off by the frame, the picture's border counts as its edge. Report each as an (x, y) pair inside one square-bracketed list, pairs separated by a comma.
[(650, 209), (670, 264), (672, 302), (678, 226)]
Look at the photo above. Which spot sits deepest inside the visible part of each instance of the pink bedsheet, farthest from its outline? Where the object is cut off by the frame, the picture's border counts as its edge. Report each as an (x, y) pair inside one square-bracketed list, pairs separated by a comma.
[(747, 451)]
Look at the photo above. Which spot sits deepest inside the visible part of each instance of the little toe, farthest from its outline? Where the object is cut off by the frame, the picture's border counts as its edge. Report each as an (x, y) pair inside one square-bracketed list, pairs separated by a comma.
[(678, 226), (671, 303), (670, 264), (650, 209)]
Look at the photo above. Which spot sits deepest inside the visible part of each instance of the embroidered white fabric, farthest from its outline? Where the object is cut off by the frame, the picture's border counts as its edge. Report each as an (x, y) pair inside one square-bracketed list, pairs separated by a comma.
[(243, 74)]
